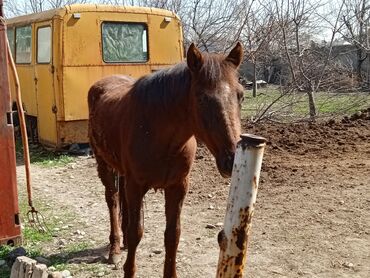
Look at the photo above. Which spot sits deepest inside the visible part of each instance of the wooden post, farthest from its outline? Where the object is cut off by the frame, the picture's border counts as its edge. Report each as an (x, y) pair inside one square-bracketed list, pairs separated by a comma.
[(233, 239)]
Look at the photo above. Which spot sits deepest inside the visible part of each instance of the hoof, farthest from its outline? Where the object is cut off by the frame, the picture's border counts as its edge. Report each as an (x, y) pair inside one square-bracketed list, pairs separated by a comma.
[(114, 259)]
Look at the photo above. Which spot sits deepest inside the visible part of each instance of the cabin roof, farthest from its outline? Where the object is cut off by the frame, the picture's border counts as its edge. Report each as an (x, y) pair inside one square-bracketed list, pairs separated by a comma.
[(82, 8)]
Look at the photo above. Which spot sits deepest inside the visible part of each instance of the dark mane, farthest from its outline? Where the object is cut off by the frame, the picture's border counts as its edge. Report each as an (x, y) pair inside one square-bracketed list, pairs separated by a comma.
[(163, 87)]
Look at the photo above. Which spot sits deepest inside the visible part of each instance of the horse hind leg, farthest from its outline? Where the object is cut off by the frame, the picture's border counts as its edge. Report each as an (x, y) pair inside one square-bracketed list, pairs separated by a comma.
[(107, 177)]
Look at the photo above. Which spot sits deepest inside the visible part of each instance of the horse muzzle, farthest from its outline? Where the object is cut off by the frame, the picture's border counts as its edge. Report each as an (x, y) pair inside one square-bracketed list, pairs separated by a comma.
[(225, 164)]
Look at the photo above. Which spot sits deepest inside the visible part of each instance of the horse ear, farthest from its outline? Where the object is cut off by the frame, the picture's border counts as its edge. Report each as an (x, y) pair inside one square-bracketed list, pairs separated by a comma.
[(194, 58), (236, 55)]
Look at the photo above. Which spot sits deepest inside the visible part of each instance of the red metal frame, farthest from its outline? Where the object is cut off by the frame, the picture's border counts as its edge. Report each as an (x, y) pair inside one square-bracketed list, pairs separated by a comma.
[(10, 231)]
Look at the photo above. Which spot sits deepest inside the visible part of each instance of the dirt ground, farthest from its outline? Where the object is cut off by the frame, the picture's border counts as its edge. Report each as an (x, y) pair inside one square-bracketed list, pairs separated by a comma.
[(312, 217)]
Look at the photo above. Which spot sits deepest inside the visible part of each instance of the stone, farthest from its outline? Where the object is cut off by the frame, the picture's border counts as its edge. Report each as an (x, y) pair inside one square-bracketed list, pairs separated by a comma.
[(22, 267), (66, 273), (210, 226), (40, 271), (62, 242), (15, 269), (157, 252), (348, 265), (55, 275), (52, 268)]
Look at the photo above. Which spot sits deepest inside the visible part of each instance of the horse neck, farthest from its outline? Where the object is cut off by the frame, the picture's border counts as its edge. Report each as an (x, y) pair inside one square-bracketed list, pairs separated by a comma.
[(177, 103), (165, 96)]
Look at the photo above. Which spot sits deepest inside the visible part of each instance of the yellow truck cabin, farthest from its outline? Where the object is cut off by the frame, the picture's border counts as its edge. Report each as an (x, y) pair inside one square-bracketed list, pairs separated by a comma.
[(60, 53)]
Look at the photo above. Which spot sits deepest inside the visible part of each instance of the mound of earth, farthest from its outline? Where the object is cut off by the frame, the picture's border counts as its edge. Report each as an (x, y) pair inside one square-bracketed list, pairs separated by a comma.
[(331, 137)]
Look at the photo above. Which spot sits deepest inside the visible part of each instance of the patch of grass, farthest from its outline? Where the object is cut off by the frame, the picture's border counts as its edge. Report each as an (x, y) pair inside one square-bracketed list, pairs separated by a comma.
[(52, 160), (94, 269), (41, 156), (4, 251), (30, 235), (5, 272), (271, 103), (77, 247)]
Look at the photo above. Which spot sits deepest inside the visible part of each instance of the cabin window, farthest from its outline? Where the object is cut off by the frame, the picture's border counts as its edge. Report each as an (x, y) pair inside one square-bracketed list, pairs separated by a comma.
[(44, 45), (124, 42), (23, 44), (10, 35)]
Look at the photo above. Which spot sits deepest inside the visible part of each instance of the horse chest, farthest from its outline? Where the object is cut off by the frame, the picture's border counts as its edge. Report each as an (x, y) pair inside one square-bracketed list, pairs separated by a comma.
[(160, 169)]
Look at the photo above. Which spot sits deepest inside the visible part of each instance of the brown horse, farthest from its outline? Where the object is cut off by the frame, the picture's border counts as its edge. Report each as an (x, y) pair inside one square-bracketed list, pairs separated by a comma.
[(144, 131)]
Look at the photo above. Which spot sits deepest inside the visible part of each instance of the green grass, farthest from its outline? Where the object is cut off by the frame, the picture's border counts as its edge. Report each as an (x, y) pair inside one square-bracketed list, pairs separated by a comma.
[(4, 251), (35, 241), (4, 272), (271, 103), (77, 247), (45, 158)]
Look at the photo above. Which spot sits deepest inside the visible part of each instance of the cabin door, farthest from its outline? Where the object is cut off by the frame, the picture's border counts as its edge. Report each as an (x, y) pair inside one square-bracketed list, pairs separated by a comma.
[(44, 83)]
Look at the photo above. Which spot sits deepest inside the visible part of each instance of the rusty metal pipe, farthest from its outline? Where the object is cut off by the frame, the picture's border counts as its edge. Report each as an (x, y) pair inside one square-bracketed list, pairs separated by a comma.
[(233, 239)]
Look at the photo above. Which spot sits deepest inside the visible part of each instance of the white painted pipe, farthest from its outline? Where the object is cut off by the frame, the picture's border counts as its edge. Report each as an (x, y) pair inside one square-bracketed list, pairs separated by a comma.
[(233, 239)]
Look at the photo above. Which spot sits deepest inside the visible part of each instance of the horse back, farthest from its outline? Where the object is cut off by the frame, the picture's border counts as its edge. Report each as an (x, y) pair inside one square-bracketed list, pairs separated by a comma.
[(108, 89)]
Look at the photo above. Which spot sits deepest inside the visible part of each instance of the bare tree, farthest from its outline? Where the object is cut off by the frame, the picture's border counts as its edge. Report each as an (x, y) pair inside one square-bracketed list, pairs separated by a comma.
[(356, 16), (60, 3), (308, 62), (258, 32), (16, 8), (214, 25)]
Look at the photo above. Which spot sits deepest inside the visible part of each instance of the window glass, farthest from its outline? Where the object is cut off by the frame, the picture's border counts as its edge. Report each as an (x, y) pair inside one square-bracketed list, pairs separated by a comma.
[(124, 42), (10, 35), (43, 44), (23, 44)]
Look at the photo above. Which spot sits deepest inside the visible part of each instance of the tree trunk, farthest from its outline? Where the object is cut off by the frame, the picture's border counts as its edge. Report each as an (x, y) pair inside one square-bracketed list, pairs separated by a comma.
[(312, 104), (254, 80), (360, 60)]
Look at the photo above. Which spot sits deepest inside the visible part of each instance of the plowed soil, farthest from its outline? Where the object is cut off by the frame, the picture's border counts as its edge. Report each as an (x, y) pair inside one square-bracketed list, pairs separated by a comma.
[(312, 217)]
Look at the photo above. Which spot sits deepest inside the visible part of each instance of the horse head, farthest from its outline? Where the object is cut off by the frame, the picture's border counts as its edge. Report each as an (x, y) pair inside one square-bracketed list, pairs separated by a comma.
[(216, 97)]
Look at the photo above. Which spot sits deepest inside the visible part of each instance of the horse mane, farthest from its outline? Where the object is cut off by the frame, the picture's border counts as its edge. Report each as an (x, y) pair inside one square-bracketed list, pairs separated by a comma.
[(165, 86), (162, 87)]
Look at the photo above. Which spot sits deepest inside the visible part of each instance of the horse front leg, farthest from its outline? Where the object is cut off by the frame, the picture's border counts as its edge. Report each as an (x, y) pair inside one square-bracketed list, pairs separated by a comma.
[(134, 200), (106, 175), (174, 196), (124, 214)]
